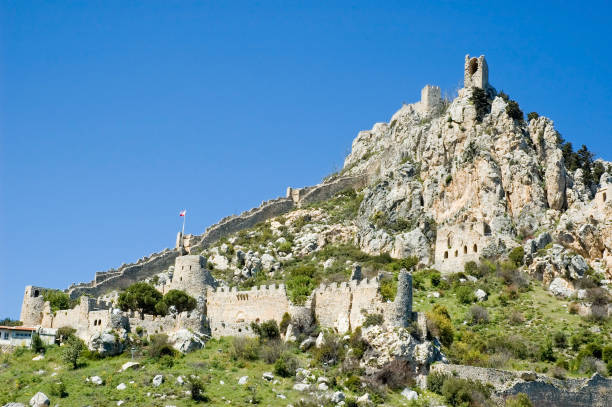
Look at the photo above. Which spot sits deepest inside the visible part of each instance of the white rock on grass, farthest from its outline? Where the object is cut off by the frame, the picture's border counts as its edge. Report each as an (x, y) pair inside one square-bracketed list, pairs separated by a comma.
[(322, 386), (301, 386), (268, 376), (121, 386), (319, 341), (40, 400), (180, 380), (96, 380), (243, 380), (480, 294), (120, 402), (561, 288), (410, 394), (337, 397), (129, 365), (38, 357), (158, 380)]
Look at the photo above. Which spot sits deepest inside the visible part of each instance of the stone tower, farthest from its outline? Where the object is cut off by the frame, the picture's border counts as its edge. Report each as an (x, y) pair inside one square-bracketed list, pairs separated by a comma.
[(32, 306), (476, 72), (403, 299), (191, 275), (431, 99)]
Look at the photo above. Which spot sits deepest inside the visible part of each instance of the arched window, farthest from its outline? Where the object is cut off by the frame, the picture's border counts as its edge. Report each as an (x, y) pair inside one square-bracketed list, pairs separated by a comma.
[(448, 242), (36, 293), (464, 249), (446, 255), (456, 253), (604, 197), (95, 322), (475, 248)]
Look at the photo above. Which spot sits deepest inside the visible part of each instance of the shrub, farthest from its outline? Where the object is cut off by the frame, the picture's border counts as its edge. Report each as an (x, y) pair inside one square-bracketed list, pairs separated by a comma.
[(397, 374), (10, 322), (285, 321), (465, 294), (141, 297), (373, 319), (272, 350), (353, 383), (558, 373), (388, 288), (435, 381), (532, 116), (196, 387), (597, 296), (461, 392), (435, 277), (58, 389), (180, 300), (161, 308), (480, 101), (573, 308), (546, 352), (331, 351), (37, 344), (72, 350), (514, 111), (244, 348), (560, 339), (448, 179), (478, 314), (159, 347), (516, 318), (286, 365), (285, 247), (439, 324), (471, 268), (300, 282), (58, 300), (267, 330), (63, 333), (519, 400), (516, 256), (357, 344)]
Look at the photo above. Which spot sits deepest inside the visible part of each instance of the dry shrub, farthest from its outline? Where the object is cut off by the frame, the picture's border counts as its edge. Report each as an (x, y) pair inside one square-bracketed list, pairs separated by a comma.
[(244, 348), (396, 374), (478, 315), (573, 308), (272, 350), (516, 318)]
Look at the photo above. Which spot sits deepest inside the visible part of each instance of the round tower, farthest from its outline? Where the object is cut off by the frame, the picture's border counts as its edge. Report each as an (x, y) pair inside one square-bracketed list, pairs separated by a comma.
[(403, 299), (191, 275)]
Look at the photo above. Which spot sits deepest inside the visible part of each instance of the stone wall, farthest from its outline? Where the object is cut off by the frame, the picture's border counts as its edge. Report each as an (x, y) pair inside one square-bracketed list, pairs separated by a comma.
[(125, 276), (476, 72), (191, 275), (458, 244), (231, 312), (543, 391), (327, 190), (32, 306), (158, 325)]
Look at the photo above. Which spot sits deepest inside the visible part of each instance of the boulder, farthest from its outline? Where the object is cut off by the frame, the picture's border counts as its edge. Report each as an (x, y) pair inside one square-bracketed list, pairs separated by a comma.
[(97, 380), (322, 386), (157, 380), (320, 340), (301, 386), (289, 336), (337, 397), (38, 357), (267, 261), (268, 376), (410, 394), (14, 405), (561, 288), (185, 341), (40, 400), (105, 343), (121, 386), (243, 380), (129, 365), (364, 400), (307, 344), (481, 295)]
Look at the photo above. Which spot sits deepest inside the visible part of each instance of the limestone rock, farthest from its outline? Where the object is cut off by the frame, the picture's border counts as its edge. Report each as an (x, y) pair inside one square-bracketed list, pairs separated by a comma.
[(106, 344), (185, 341), (40, 400), (243, 380), (289, 335), (97, 380), (121, 386), (129, 365), (481, 295), (410, 394), (561, 288), (268, 376), (14, 405), (337, 397), (157, 380), (307, 344), (301, 386), (320, 340), (38, 357)]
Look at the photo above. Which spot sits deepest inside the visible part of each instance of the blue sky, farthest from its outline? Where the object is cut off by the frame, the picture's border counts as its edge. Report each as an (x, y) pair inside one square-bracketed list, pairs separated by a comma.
[(116, 115)]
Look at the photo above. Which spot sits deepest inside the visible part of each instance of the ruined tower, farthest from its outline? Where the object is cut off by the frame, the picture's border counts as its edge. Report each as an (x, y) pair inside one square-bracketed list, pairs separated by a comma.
[(403, 299), (431, 99), (32, 306), (476, 72), (191, 275)]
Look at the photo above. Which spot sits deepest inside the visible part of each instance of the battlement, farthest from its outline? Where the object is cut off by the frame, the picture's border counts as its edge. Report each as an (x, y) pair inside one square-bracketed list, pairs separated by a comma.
[(348, 285)]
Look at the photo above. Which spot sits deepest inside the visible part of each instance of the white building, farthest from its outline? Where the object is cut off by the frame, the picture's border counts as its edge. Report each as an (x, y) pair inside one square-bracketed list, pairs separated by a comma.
[(22, 335)]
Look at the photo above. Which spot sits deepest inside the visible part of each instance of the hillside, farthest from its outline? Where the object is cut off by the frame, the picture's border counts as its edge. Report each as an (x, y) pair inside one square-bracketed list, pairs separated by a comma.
[(462, 256)]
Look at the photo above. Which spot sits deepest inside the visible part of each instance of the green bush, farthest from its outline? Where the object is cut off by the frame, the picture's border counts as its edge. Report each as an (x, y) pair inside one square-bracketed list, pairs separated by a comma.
[(196, 388), (141, 297), (461, 392), (516, 256), (373, 319), (285, 247), (439, 324), (72, 350), (520, 400), (301, 282), (37, 344), (63, 333), (285, 321), (353, 383), (58, 389), (435, 277), (470, 268), (560, 339), (180, 300), (159, 347), (480, 101), (435, 381), (244, 348), (465, 294), (357, 343), (161, 308), (271, 350), (514, 111), (267, 330), (546, 352), (532, 116), (331, 351), (286, 365), (59, 300), (388, 288)]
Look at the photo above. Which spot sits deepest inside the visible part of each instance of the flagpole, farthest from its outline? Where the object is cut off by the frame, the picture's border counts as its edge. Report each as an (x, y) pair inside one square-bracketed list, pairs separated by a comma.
[(184, 217)]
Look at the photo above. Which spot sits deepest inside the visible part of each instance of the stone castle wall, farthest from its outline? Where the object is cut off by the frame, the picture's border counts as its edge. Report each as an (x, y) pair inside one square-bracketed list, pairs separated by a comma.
[(544, 391), (231, 312), (32, 306), (190, 275), (327, 190)]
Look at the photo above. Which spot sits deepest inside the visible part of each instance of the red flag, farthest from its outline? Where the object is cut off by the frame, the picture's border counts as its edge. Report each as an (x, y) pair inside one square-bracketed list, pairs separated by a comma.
[(183, 212)]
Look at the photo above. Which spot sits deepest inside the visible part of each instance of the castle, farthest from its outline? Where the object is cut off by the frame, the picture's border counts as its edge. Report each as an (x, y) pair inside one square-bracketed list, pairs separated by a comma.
[(226, 311)]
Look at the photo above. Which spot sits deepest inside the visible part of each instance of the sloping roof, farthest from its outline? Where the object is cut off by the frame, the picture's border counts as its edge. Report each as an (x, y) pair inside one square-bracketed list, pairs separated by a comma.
[(17, 328)]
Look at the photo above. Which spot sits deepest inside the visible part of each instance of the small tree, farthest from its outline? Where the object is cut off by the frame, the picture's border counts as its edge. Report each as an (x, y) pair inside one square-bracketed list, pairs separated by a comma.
[(532, 116), (141, 297), (514, 111), (480, 101), (520, 400), (267, 330), (37, 344), (72, 350), (180, 300), (516, 256)]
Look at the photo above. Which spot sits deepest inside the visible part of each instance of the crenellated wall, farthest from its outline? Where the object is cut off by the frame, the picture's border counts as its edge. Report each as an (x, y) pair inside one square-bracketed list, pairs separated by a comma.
[(231, 312)]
